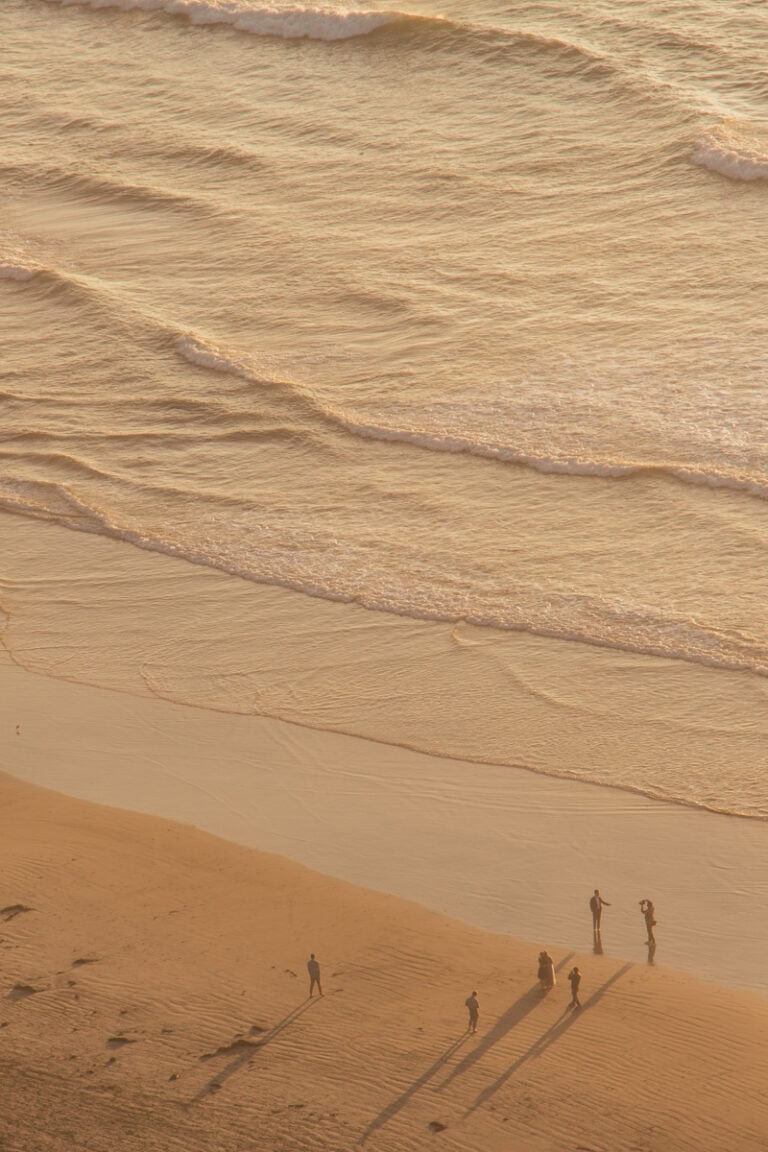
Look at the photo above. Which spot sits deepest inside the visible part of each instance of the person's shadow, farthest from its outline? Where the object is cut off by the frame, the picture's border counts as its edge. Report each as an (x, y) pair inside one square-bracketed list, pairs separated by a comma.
[(392, 1109), (554, 1033), (513, 1015), (244, 1048)]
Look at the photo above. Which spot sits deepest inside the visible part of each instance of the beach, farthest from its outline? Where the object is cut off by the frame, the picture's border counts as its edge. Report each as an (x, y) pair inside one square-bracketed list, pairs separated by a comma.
[(97, 698), (383, 540), (506, 851), (155, 997), (152, 944)]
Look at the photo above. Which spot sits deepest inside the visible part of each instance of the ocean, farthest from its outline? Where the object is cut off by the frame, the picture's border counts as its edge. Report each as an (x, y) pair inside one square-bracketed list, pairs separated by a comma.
[(432, 342)]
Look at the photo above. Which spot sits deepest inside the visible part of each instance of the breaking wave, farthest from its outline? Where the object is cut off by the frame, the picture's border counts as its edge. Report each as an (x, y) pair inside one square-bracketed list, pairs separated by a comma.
[(198, 351), (16, 269), (298, 558), (16, 261), (293, 23), (733, 152), (330, 23)]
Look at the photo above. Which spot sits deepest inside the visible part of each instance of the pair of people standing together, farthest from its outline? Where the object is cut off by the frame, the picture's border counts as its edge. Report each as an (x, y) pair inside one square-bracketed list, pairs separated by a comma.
[(548, 979), (596, 904)]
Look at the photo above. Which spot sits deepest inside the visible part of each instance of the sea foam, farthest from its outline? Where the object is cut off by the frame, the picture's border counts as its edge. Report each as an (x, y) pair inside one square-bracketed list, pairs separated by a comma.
[(309, 22), (732, 152), (16, 263), (197, 350), (11, 269)]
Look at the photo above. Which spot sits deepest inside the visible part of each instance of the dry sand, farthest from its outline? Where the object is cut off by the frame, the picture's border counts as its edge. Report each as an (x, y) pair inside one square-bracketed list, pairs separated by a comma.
[(155, 998)]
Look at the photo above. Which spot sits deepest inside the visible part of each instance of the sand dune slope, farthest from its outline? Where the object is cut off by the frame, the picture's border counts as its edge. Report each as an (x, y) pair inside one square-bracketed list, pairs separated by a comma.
[(153, 996)]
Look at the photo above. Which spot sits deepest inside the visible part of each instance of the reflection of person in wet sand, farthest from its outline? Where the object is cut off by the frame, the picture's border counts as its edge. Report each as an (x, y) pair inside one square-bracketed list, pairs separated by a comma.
[(649, 915), (314, 975), (596, 903), (473, 1007), (546, 972)]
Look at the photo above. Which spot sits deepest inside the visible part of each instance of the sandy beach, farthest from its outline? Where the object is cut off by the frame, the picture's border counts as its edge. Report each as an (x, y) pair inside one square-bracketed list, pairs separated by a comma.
[(382, 571), (155, 998), (154, 955)]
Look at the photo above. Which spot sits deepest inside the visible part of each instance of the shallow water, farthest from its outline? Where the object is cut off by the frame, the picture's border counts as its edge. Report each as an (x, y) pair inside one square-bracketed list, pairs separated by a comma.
[(457, 315)]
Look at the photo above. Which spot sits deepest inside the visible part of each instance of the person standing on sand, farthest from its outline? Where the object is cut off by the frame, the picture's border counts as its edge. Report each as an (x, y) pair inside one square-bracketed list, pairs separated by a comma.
[(575, 978), (314, 975), (546, 971), (649, 915), (596, 903), (473, 1007)]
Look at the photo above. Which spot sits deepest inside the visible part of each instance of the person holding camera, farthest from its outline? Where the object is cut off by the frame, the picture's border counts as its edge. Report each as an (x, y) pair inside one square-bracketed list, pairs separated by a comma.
[(649, 915)]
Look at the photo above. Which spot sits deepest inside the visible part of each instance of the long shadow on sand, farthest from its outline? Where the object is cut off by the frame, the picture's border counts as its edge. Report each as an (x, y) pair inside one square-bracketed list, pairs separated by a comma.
[(513, 1015), (568, 1018), (244, 1049), (396, 1105)]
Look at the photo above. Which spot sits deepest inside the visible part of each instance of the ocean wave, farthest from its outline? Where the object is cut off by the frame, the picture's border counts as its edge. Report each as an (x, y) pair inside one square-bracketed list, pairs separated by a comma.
[(733, 151), (17, 262), (14, 269), (329, 23), (301, 558), (312, 23), (566, 465), (91, 187), (207, 355), (318, 22)]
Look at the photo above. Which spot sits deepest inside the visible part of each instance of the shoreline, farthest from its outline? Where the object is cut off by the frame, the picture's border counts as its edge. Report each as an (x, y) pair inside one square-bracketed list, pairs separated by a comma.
[(501, 849), (92, 610)]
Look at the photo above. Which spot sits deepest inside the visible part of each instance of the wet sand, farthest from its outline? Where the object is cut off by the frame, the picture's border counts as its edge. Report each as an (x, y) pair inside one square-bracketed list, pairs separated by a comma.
[(502, 849)]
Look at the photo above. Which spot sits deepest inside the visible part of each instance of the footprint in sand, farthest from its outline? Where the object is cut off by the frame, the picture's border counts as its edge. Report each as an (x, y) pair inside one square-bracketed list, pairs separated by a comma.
[(21, 991)]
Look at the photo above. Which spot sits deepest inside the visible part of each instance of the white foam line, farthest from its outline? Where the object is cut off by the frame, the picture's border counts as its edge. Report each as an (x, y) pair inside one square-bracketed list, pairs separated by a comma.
[(733, 152), (80, 516), (197, 351), (11, 270), (313, 23)]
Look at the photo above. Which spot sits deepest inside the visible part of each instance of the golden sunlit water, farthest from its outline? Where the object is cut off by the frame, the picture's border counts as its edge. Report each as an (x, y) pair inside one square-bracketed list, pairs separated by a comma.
[(454, 315)]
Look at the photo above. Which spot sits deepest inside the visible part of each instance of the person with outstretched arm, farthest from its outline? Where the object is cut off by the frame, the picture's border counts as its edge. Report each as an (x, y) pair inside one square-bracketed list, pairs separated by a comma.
[(596, 903)]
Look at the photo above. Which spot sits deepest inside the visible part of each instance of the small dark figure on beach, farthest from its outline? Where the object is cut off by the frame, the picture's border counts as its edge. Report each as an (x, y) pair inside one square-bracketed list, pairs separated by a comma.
[(314, 975), (649, 915), (473, 1007), (575, 978), (546, 971), (596, 904)]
